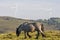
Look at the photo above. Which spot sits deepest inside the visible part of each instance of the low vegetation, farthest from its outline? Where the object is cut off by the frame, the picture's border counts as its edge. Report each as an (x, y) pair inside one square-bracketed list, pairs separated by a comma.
[(50, 35)]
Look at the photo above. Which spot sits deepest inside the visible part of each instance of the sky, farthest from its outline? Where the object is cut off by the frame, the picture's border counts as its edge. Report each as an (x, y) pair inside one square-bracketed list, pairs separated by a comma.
[(30, 9)]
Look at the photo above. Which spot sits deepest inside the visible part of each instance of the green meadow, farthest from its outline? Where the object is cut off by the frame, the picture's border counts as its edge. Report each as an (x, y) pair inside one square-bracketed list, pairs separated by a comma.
[(50, 35)]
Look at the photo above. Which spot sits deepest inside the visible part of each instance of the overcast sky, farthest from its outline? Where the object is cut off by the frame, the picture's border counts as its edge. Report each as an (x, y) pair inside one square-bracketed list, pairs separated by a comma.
[(30, 9)]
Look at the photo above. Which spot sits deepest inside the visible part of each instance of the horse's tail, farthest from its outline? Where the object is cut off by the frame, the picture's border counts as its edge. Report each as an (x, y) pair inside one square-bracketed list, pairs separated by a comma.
[(42, 27)]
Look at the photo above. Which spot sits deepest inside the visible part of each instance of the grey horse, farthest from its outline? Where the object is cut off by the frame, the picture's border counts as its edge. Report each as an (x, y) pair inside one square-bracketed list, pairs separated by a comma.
[(30, 27)]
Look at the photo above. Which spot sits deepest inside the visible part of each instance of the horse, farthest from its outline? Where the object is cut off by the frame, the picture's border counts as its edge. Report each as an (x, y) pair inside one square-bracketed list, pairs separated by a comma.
[(30, 27)]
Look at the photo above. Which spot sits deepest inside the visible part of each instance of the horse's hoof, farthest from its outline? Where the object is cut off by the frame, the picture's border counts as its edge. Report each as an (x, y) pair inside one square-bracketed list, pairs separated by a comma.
[(29, 36), (36, 38), (44, 35)]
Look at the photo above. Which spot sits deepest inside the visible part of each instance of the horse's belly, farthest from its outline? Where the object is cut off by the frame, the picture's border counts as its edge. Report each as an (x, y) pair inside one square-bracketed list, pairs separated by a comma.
[(30, 30)]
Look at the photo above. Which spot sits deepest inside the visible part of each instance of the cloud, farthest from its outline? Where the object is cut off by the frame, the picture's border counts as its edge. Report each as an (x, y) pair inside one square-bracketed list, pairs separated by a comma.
[(32, 9), (7, 10)]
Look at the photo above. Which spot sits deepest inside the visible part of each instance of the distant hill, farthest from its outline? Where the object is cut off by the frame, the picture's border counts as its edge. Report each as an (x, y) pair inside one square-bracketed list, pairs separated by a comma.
[(8, 24), (52, 23)]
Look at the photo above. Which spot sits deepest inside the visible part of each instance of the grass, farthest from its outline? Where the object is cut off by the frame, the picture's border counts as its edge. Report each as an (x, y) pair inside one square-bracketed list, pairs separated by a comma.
[(50, 35)]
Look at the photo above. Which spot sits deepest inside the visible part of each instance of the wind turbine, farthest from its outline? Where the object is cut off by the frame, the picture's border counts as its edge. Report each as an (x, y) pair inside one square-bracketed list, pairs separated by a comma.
[(14, 9)]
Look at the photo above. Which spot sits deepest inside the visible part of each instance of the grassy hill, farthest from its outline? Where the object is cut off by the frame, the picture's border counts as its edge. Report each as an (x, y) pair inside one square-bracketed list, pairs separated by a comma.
[(8, 27), (52, 23), (8, 24)]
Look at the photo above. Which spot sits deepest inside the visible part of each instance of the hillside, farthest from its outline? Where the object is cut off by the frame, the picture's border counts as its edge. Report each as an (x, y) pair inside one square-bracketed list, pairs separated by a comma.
[(52, 23), (8, 24)]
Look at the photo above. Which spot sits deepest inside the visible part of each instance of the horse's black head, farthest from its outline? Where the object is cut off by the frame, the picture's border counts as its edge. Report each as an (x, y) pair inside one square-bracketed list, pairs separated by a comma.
[(20, 28), (17, 32)]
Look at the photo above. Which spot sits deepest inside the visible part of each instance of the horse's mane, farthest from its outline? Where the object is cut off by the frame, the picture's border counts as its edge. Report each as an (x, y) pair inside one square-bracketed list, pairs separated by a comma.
[(22, 24), (25, 23)]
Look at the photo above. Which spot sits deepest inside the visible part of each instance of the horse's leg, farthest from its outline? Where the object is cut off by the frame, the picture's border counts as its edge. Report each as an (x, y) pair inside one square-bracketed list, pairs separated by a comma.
[(28, 34), (43, 35), (42, 32), (38, 33), (25, 35)]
